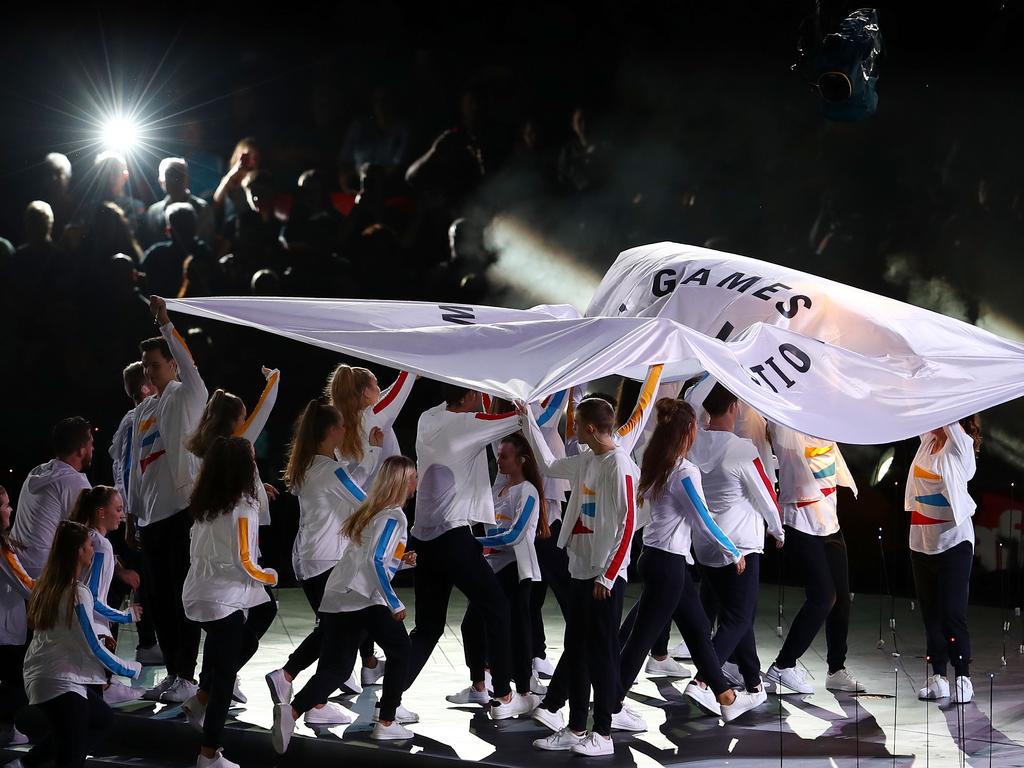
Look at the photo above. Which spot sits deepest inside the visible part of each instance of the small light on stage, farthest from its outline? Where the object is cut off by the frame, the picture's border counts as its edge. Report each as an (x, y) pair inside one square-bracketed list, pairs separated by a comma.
[(119, 134)]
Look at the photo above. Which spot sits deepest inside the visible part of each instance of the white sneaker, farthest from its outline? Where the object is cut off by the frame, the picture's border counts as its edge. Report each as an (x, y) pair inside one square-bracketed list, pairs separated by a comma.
[(329, 714), (394, 732), (216, 762), (195, 713), (627, 719), (402, 715), (963, 690), (154, 693), (352, 685), (283, 728), (732, 673), (118, 693), (667, 667), (680, 651), (842, 680), (536, 686), (704, 698), (937, 687), (280, 688), (469, 696), (149, 656), (543, 667), (519, 704), (561, 741), (745, 701), (594, 744), (236, 692), (370, 675), (789, 680), (549, 719), (180, 691)]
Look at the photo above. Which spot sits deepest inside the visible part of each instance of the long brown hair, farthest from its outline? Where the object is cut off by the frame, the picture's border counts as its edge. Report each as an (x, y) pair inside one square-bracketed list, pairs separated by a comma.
[(59, 575), (390, 489), (228, 474), (531, 472), (345, 392), (671, 440), (89, 502), (972, 426), (5, 536), (218, 420), (310, 430)]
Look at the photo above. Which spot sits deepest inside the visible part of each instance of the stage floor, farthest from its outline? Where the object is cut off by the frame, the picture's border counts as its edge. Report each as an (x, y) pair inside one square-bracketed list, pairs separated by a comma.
[(886, 726)]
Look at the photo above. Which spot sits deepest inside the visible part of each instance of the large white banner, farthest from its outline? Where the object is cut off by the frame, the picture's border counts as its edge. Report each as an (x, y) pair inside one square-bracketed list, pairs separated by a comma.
[(806, 384)]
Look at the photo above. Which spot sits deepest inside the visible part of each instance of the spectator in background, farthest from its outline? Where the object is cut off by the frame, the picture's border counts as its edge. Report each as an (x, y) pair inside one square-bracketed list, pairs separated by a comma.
[(255, 232), (229, 197), (111, 171), (205, 168), (174, 181), (583, 161), (55, 190), (164, 263), (382, 138), (110, 234)]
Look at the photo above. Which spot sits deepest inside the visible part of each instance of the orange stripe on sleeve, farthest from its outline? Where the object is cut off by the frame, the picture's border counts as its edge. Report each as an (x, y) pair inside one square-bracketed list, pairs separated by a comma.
[(644, 401), (243, 543), (19, 573), (271, 383), (181, 340)]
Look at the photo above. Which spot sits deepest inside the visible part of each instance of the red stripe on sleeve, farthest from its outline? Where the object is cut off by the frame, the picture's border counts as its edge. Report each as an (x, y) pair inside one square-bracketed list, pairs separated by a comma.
[(766, 481), (384, 402), (627, 535), (496, 416)]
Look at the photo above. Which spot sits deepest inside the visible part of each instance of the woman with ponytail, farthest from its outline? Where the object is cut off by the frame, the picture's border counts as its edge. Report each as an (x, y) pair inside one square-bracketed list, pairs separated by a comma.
[(521, 516), (359, 600), (327, 497), (15, 590), (942, 550), (101, 510), (670, 490), (66, 662)]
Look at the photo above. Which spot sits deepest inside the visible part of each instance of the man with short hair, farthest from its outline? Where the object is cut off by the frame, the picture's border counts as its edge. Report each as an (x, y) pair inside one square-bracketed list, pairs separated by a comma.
[(174, 181), (165, 262), (49, 492), (159, 483), (111, 169)]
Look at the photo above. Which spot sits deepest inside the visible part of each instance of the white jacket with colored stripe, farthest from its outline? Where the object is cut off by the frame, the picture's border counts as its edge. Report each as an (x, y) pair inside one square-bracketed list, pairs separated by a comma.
[(98, 578), (382, 415), (362, 577), (15, 589), (936, 497), (512, 539), (223, 576), (73, 653), (327, 496)]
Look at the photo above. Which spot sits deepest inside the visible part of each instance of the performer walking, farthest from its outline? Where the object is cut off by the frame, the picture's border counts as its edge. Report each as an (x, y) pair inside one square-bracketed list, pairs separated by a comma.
[(15, 589), (942, 551)]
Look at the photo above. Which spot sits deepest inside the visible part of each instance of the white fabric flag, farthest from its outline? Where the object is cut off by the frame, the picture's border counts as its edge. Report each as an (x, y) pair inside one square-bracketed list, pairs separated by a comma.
[(805, 384)]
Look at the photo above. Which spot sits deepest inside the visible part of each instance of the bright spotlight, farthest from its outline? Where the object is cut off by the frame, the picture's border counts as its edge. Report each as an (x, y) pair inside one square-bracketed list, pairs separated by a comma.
[(119, 134), (883, 466)]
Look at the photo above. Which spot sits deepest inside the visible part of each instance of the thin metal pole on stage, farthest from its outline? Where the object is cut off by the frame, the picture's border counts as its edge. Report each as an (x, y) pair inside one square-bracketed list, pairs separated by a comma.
[(927, 730), (1002, 599), (277, 598), (782, 596), (895, 709), (892, 602), (991, 723), (856, 725)]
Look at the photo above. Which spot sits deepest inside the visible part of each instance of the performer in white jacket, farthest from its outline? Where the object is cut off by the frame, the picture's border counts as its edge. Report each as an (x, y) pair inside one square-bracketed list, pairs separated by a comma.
[(15, 589), (509, 549), (810, 471), (66, 662), (327, 496), (359, 599), (942, 550), (742, 501), (225, 586), (160, 483)]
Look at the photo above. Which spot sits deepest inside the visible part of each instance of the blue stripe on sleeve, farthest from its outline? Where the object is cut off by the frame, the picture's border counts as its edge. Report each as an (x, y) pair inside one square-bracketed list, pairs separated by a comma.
[(554, 408), (126, 464), (105, 657), (350, 485), (99, 606), (513, 533), (379, 556), (707, 519), (828, 471)]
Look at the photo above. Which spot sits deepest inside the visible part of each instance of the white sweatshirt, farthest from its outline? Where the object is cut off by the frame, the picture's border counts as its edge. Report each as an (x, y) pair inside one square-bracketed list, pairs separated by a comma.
[(223, 576), (251, 430), (362, 577), (517, 514), (98, 578), (163, 471), (680, 508), (739, 495), (120, 453), (382, 414), (15, 589), (454, 487), (65, 659), (46, 498), (327, 496), (600, 517), (936, 497), (810, 470)]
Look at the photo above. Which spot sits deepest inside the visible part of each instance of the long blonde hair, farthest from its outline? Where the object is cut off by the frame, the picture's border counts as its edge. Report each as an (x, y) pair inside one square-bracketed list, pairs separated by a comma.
[(59, 576), (345, 391), (310, 430), (390, 489), (218, 420)]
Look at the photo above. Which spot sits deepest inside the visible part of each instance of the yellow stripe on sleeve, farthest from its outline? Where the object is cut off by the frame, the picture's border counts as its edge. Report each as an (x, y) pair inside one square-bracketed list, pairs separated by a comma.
[(271, 383), (15, 565), (243, 543), (644, 401)]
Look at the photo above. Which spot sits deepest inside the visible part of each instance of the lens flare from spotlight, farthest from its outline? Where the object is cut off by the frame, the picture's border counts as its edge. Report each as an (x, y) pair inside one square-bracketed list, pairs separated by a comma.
[(883, 466), (120, 134)]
